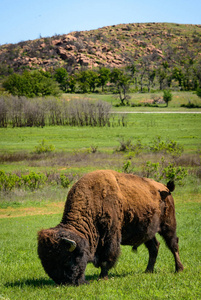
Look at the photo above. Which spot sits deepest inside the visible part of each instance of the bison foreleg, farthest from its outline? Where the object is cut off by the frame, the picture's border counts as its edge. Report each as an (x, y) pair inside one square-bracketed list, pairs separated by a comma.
[(104, 271), (109, 255), (153, 246)]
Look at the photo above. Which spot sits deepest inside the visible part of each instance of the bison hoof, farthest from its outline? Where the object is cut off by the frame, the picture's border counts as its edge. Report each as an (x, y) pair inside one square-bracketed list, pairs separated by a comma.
[(179, 269), (149, 271), (103, 278)]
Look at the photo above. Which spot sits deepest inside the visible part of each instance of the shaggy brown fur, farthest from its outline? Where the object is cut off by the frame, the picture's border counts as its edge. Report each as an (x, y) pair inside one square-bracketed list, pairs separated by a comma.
[(103, 210)]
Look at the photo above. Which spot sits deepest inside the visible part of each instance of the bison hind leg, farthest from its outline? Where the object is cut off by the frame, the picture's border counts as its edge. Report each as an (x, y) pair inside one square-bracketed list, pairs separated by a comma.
[(152, 246), (172, 242)]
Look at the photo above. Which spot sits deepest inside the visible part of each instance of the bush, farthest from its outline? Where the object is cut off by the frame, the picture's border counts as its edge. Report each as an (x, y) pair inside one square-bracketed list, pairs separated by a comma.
[(8, 182), (33, 180), (152, 170), (129, 146), (168, 146), (44, 148), (158, 145), (170, 172), (64, 181), (174, 173), (191, 105)]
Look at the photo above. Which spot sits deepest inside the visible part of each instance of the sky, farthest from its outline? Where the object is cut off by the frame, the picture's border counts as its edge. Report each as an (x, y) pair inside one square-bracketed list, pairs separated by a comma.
[(22, 20)]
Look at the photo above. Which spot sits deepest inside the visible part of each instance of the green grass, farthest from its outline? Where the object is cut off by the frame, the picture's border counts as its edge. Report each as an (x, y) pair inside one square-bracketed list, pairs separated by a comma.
[(22, 276), (174, 105), (185, 129)]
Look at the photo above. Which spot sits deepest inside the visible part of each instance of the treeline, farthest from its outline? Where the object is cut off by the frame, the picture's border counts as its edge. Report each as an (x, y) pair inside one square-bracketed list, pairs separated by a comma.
[(143, 77), (25, 112)]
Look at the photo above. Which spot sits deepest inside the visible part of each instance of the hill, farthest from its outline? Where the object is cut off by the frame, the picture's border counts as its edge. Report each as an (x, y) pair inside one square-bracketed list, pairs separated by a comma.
[(111, 46)]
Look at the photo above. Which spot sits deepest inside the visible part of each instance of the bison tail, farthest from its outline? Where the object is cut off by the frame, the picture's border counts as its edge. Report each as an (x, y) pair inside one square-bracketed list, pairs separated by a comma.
[(171, 185)]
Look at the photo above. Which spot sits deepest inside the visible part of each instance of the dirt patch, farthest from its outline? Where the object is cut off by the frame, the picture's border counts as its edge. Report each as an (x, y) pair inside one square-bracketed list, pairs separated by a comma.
[(52, 208)]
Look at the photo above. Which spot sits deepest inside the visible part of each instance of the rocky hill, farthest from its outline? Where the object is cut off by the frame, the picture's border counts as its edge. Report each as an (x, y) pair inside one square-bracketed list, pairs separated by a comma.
[(111, 46)]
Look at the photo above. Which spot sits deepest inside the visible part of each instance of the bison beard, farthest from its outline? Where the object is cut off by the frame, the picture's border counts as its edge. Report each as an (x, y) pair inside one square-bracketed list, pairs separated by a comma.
[(103, 210)]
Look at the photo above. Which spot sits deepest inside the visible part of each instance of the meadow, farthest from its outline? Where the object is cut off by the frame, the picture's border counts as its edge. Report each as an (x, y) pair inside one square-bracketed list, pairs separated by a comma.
[(78, 150)]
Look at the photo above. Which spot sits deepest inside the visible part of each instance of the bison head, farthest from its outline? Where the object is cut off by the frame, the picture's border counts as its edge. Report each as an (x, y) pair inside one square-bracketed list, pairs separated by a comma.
[(63, 255)]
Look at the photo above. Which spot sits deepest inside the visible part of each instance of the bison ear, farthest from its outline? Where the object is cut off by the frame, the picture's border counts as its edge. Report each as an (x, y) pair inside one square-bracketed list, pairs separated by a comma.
[(163, 194), (72, 244)]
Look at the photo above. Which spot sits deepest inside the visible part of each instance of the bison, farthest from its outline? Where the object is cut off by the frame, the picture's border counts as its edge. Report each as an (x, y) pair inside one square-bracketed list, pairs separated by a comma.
[(103, 210)]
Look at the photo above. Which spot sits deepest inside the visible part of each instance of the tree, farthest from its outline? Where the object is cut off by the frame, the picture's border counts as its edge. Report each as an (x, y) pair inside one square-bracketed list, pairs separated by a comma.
[(198, 92), (31, 84), (83, 81), (61, 76), (122, 83), (151, 77), (167, 96), (132, 69), (92, 80), (103, 77), (72, 83), (162, 74), (178, 76)]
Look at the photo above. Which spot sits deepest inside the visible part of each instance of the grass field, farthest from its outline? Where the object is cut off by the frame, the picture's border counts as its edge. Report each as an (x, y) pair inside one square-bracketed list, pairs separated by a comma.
[(23, 213), (22, 276), (178, 99), (184, 128)]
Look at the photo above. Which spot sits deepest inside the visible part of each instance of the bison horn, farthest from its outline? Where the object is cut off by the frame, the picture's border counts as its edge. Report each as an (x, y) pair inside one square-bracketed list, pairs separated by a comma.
[(72, 244)]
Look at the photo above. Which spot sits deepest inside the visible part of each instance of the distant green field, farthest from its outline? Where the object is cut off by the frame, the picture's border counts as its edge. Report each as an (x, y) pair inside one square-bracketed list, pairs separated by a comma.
[(183, 128), (178, 99)]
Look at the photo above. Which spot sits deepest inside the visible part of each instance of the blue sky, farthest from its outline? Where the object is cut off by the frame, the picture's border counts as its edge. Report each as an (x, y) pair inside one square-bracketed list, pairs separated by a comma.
[(22, 20)]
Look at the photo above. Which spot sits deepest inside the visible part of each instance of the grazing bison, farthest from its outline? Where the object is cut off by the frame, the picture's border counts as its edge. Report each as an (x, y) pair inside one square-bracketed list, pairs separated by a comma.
[(103, 210)]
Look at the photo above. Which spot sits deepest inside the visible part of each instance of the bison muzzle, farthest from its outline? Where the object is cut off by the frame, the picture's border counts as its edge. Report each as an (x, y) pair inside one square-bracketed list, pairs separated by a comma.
[(103, 210)]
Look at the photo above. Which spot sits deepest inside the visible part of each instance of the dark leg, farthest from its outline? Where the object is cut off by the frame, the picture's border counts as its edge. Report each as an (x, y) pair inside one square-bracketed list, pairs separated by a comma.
[(172, 243), (109, 255), (153, 246), (104, 270)]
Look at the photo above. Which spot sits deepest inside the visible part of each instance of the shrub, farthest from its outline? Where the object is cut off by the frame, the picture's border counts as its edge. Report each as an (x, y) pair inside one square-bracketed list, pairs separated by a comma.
[(191, 105), (33, 180), (170, 172), (64, 181), (8, 182), (151, 170), (132, 148), (44, 148), (126, 166), (168, 146), (174, 173)]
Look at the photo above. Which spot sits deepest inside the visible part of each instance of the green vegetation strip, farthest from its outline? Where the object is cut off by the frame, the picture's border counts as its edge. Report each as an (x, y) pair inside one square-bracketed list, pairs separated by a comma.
[(186, 130)]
